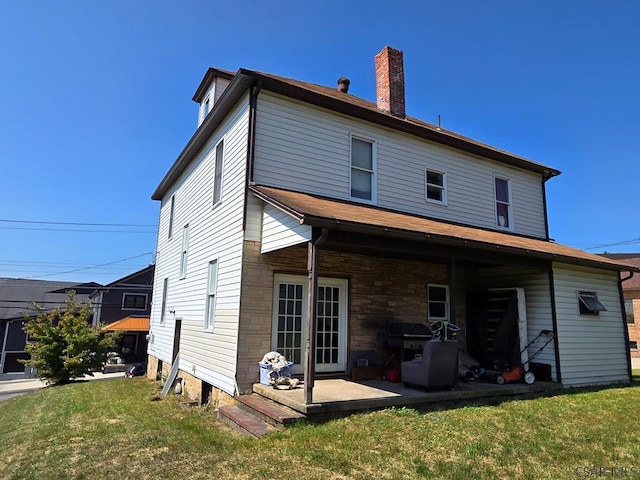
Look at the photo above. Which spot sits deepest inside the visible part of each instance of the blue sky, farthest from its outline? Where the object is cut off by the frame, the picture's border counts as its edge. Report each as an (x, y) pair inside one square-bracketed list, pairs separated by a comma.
[(95, 102)]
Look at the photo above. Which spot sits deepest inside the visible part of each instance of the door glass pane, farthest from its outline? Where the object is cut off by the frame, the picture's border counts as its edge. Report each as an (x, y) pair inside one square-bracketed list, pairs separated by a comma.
[(327, 338), (290, 322)]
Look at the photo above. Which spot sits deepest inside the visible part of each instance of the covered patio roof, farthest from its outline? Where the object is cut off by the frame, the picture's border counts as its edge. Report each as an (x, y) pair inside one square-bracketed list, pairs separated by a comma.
[(128, 324), (317, 211)]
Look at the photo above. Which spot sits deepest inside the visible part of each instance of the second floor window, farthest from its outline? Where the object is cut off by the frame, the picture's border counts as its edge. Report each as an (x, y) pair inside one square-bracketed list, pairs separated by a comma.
[(362, 169), (217, 174), (436, 186), (183, 253), (134, 301), (503, 203)]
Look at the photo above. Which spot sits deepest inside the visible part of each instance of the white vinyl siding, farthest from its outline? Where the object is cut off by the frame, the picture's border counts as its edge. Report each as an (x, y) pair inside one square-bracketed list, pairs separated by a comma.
[(280, 230), (592, 347), (306, 148), (538, 303), (213, 233)]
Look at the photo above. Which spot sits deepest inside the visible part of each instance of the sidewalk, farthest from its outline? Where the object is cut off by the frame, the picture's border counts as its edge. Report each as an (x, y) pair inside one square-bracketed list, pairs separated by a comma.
[(13, 388)]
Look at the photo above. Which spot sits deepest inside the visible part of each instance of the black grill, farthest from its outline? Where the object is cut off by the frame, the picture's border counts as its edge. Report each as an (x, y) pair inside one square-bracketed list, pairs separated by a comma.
[(407, 337)]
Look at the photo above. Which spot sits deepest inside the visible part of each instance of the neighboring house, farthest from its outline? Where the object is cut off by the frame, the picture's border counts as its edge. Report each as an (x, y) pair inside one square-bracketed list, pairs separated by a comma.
[(288, 185), (631, 291), (16, 298), (124, 305)]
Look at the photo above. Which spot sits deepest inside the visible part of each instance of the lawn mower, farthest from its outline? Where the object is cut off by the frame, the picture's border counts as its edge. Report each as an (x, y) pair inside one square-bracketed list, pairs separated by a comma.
[(521, 372)]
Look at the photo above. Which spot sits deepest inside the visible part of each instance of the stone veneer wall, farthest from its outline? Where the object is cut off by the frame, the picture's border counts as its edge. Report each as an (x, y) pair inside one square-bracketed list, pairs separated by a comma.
[(380, 289)]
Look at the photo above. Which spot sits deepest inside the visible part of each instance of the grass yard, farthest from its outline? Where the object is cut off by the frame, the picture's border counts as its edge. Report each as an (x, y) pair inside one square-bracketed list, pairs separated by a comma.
[(117, 429)]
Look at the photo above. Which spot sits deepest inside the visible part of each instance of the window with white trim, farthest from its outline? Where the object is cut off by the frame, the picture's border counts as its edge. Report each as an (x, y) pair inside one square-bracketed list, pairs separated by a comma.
[(163, 311), (207, 105), (217, 174), (134, 301), (435, 186), (503, 203), (438, 302), (363, 177), (183, 252), (212, 285), (172, 208), (589, 304)]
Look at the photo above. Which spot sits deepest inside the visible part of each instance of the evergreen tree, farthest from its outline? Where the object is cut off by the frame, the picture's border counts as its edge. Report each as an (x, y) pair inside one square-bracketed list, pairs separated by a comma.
[(63, 344)]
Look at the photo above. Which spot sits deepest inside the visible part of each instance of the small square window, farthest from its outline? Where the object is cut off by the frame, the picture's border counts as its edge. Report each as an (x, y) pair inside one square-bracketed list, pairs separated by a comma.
[(589, 304), (633, 345)]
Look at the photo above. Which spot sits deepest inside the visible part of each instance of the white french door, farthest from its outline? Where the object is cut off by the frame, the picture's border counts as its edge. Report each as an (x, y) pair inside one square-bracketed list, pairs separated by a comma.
[(290, 322)]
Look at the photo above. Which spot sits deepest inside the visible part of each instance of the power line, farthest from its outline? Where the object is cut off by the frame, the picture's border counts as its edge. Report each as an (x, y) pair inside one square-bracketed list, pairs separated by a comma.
[(76, 230), (626, 242), (81, 223), (88, 268)]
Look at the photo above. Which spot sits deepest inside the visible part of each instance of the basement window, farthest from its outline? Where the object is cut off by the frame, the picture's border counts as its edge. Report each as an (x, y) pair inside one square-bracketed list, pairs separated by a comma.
[(589, 304)]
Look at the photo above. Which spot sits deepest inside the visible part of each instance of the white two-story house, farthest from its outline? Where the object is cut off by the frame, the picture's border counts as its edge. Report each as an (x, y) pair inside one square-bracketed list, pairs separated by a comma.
[(294, 201)]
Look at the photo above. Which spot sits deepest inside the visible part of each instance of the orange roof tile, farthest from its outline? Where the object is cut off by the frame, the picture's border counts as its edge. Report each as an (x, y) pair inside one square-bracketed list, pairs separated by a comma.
[(128, 324)]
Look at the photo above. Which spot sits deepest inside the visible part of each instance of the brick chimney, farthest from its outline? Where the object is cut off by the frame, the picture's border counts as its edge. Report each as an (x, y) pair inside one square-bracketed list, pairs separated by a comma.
[(390, 81)]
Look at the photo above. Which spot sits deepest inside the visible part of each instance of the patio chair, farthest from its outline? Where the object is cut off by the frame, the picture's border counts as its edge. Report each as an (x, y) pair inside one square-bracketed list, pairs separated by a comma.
[(436, 369)]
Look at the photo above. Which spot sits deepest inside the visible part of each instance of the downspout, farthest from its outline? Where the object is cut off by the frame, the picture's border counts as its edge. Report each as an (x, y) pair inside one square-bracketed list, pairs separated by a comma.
[(554, 321), (625, 328), (312, 314), (251, 143)]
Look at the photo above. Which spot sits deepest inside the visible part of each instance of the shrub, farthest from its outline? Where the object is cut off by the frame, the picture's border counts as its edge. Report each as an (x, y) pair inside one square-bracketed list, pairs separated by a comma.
[(63, 344)]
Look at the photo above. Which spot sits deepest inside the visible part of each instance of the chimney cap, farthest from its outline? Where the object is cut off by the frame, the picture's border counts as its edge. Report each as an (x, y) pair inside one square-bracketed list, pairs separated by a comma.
[(343, 84)]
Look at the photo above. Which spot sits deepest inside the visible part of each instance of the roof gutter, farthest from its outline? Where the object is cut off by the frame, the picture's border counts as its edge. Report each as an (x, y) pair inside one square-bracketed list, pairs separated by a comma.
[(442, 239)]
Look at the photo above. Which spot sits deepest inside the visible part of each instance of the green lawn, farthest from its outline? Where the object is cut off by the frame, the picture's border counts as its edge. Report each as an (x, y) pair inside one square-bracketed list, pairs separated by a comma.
[(120, 429)]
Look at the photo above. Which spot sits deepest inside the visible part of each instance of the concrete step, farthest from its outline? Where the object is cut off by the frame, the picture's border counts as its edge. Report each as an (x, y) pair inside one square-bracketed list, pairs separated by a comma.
[(244, 422), (269, 411)]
